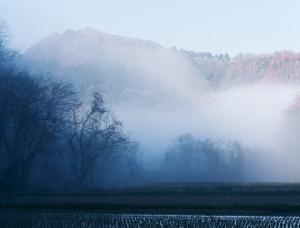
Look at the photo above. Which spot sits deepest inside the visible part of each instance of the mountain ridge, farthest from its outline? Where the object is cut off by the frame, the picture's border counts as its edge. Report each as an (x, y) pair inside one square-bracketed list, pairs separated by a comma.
[(142, 70)]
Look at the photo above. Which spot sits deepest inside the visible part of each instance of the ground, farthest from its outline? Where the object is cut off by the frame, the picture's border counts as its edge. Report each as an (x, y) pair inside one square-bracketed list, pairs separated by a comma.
[(205, 198)]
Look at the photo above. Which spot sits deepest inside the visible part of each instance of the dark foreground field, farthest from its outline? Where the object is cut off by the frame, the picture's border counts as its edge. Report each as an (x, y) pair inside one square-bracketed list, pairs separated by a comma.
[(160, 205), (224, 199), (34, 219)]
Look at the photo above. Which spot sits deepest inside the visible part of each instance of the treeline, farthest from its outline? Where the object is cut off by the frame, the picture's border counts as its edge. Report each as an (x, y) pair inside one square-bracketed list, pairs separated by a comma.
[(189, 159), (221, 71), (49, 138)]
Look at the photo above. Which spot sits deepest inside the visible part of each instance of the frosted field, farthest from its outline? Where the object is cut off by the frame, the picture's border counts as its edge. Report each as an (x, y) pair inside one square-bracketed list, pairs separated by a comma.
[(76, 219)]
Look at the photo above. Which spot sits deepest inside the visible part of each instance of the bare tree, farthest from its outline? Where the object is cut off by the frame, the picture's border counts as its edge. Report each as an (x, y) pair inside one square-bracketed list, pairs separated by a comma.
[(32, 114), (92, 138), (6, 54)]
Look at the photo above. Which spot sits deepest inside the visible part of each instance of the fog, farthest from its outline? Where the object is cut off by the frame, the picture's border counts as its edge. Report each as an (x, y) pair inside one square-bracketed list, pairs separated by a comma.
[(254, 115), (127, 112), (160, 94)]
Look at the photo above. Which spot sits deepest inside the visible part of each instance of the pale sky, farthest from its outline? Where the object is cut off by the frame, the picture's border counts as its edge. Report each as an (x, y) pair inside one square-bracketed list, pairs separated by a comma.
[(217, 26)]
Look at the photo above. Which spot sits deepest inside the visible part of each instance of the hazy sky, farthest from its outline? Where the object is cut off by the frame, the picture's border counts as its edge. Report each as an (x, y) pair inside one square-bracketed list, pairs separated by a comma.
[(217, 26)]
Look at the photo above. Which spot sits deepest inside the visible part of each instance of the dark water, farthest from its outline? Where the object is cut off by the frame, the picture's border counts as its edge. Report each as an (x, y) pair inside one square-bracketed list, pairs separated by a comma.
[(76, 219)]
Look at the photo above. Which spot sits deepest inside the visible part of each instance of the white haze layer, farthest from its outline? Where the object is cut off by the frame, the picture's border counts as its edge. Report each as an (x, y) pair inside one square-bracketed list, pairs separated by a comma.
[(161, 93), (252, 114)]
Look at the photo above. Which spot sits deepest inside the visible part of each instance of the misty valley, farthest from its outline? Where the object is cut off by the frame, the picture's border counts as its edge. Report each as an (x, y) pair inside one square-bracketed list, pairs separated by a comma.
[(108, 131), (169, 115)]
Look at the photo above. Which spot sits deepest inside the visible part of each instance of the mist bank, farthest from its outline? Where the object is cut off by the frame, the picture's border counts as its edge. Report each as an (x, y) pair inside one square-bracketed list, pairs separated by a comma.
[(161, 94), (255, 115), (86, 110)]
